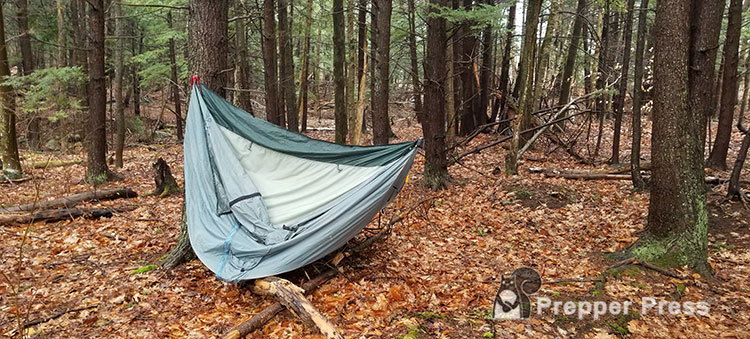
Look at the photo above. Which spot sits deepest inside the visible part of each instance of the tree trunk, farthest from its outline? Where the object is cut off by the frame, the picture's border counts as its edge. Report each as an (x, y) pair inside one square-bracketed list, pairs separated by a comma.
[(450, 90), (718, 157), (165, 183), (745, 83), (544, 53), (435, 169), (351, 71), (676, 233), (703, 52), (469, 92), (501, 102), (137, 48), (270, 67), (526, 90), (208, 60), (486, 72), (175, 82), (117, 86), (635, 156), (287, 71), (411, 12), (570, 59), (27, 56), (243, 61), (381, 70), (11, 163), (620, 103), (96, 169), (339, 77), (305, 71), (61, 41)]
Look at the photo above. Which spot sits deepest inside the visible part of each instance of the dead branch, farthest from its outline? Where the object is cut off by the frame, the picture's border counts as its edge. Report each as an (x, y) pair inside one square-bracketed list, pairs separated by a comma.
[(291, 296), (57, 315), (60, 214), (75, 199)]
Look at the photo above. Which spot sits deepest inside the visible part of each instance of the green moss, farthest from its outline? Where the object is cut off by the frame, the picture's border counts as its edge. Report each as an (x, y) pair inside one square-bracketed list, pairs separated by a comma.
[(144, 269)]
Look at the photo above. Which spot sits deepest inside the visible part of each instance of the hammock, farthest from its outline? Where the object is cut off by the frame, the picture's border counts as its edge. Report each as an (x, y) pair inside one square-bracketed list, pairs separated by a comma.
[(262, 200)]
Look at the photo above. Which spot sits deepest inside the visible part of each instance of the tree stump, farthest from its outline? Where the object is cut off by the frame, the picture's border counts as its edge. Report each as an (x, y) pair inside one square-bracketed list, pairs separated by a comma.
[(292, 297), (165, 182)]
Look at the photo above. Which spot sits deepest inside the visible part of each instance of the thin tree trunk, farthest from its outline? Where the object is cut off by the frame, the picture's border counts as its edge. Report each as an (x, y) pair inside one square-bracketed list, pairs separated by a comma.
[(503, 86), (8, 144), (243, 61), (411, 12), (270, 68), (526, 72), (61, 42), (469, 93), (718, 158), (602, 76), (339, 77), (175, 84), (486, 71), (117, 86), (287, 71), (570, 59), (450, 90), (305, 71), (544, 52), (27, 56), (351, 72), (435, 171), (745, 83), (381, 70), (356, 133), (704, 46), (620, 103), (635, 156), (96, 170)]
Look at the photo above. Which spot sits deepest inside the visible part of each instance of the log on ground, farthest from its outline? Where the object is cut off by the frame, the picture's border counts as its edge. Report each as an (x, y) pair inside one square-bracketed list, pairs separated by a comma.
[(61, 214), (73, 200)]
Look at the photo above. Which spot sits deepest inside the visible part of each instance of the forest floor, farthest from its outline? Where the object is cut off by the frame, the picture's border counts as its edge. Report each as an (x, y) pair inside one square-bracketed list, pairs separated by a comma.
[(435, 275)]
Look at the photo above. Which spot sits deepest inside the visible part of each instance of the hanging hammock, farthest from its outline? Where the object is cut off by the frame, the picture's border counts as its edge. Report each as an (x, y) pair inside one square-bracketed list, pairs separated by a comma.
[(262, 200)]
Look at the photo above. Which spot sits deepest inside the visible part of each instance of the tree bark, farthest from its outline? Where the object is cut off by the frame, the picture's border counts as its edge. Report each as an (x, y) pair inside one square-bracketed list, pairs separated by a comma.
[(703, 52), (416, 88), (436, 165), (570, 59), (469, 92), (61, 41), (243, 61), (676, 233), (208, 60), (500, 103), (620, 100), (381, 45), (175, 82), (718, 157), (486, 73), (526, 90), (270, 66), (287, 71), (734, 181), (96, 168), (27, 56), (544, 52), (339, 76), (117, 85), (635, 156), (351, 71), (304, 82)]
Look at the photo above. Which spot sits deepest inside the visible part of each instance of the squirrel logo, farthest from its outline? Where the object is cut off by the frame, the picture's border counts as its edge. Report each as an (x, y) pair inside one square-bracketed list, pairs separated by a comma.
[(512, 298)]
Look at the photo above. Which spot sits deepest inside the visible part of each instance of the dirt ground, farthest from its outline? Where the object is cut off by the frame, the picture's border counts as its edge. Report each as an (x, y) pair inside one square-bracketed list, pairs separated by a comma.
[(434, 276)]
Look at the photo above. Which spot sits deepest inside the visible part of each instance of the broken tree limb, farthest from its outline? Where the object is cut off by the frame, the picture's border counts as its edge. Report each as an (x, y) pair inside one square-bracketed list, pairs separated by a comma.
[(72, 200), (60, 214), (57, 315), (264, 316), (49, 163), (612, 169), (291, 296), (604, 176)]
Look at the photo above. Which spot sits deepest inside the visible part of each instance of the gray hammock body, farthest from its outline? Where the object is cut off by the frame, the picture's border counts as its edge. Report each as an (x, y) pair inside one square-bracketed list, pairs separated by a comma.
[(262, 200)]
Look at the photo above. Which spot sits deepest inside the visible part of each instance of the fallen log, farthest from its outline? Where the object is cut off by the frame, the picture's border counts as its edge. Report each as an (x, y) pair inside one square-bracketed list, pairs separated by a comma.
[(291, 296), (60, 214), (55, 163), (266, 314), (604, 176), (73, 200), (5, 180), (611, 169)]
